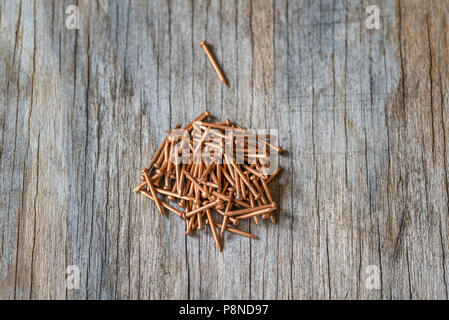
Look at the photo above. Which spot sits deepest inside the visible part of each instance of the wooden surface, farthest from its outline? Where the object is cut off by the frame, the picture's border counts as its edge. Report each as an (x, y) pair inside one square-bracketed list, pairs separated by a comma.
[(362, 114)]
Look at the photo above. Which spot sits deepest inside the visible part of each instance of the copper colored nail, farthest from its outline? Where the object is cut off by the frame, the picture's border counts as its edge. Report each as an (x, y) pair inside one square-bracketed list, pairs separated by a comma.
[(181, 182), (221, 196), (209, 184), (256, 213), (228, 178), (213, 125), (237, 231), (253, 171), (200, 209), (159, 150), (195, 182), (242, 204), (260, 190), (215, 179), (156, 155), (171, 197), (190, 228), (243, 189), (251, 201), (232, 219), (242, 176), (250, 210), (214, 231), (168, 151), (214, 63), (238, 194), (206, 172), (277, 149), (201, 117), (226, 218), (274, 175), (161, 158), (172, 194), (267, 190), (199, 218), (153, 192), (140, 186), (218, 170), (164, 204)]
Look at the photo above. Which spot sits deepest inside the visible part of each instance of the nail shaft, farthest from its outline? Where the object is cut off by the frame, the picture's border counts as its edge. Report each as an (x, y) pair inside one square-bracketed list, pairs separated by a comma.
[(214, 63)]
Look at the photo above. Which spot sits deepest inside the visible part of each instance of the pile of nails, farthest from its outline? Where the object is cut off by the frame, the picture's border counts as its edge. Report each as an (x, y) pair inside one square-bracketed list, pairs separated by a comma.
[(212, 186)]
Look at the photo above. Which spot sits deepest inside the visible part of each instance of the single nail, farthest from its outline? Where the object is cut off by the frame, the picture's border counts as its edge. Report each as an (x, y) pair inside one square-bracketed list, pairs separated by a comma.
[(199, 218), (253, 204), (253, 171), (256, 213), (206, 172), (238, 194), (201, 117), (234, 221), (140, 186), (214, 231), (274, 175), (259, 189), (200, 209), (172, 194), (214, 63), (243, 189), (221, 196), (164, 204), (226, 218), (267, 190), (206, 125), (237, 231), (250, 210), (196, 183), (153, 192)]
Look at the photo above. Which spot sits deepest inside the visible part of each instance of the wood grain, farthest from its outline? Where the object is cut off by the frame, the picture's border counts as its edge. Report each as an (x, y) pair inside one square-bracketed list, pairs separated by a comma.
[(362, 114)]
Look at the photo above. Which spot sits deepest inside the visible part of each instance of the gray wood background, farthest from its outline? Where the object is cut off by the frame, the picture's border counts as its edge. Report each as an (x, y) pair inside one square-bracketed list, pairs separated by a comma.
[(362, 114)]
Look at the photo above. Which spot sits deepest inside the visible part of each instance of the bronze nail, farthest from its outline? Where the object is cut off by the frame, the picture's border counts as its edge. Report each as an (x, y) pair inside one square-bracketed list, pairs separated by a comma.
[(250, 210), (226, 218), (237, 231), (243, 189), (259, 189), (255, 213), (213, 125), (214, 63), (255, 172), (267, 190), (221, 196), (201, 117), (200, 209), (173, 194), (196, 183), (274, 175), (140, 186), (214, 231), (164, 204), (206, 172), (199, 219), (251, 200)]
